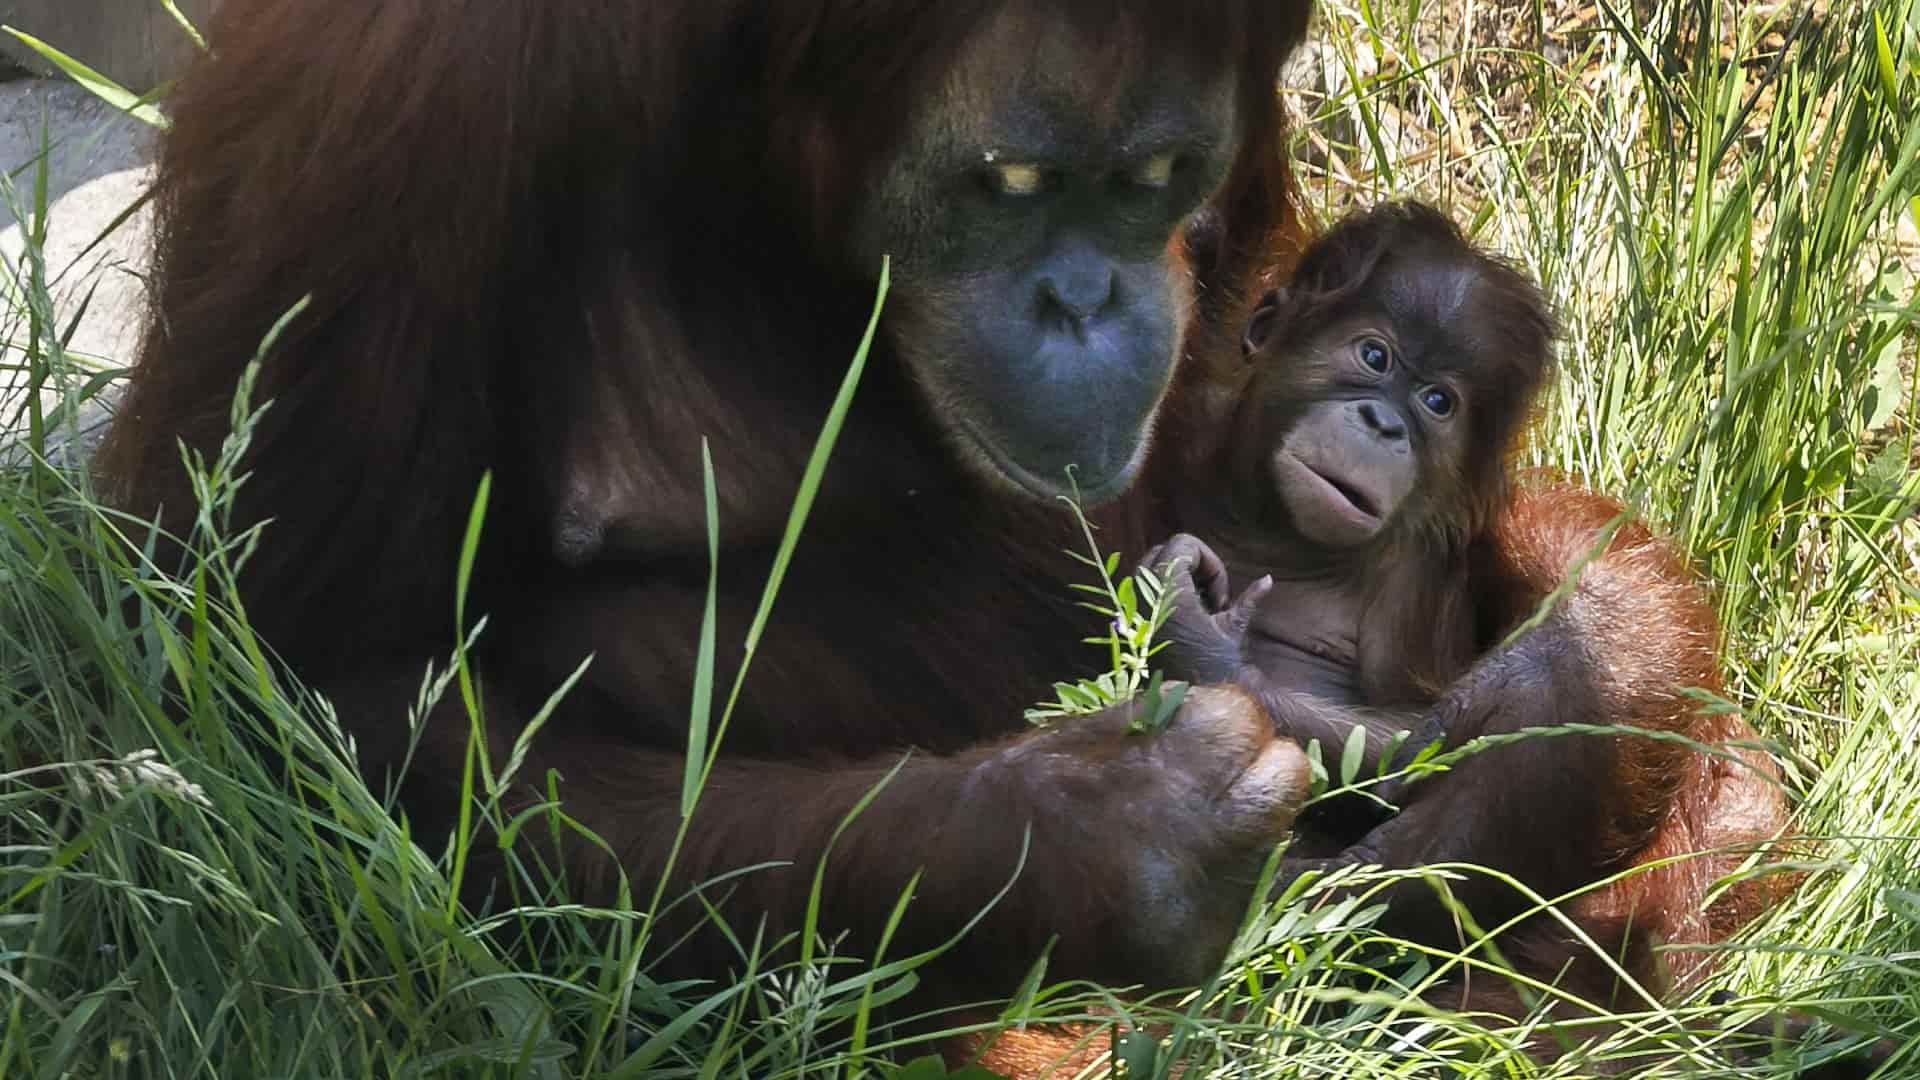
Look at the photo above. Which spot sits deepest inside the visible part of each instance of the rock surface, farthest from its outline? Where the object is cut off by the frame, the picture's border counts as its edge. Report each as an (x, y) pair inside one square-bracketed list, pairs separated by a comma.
[(95, 252)]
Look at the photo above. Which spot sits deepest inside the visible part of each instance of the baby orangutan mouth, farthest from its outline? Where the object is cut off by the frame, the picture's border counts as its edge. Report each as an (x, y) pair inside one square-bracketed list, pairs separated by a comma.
[(1325, 500), (1357, 500)]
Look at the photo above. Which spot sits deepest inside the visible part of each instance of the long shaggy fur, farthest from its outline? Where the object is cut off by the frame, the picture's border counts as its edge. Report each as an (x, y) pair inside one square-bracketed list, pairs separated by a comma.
[(562, 240)]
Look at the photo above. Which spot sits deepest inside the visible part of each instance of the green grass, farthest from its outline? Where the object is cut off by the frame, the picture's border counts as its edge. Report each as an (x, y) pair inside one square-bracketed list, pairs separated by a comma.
[(194, 881)]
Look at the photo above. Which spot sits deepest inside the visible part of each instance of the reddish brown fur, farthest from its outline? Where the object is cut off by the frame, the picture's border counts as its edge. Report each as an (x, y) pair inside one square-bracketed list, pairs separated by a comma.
[(563, 240), (1467, 561), (1673, 801), (447, 182), (1663, 800)]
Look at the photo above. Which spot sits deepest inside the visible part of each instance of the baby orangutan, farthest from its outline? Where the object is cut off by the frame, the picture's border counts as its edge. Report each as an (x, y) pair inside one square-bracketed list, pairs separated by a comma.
[(1360, 468), (1361, 484)]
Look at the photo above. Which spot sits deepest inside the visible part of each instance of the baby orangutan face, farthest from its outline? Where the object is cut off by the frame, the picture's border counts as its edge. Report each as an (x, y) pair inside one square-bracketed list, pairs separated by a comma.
[(1351, 421)]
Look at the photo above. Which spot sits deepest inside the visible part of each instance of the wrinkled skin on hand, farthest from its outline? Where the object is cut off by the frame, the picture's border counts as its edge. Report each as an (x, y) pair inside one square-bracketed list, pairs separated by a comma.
[(1177, 823), (1205, 633)]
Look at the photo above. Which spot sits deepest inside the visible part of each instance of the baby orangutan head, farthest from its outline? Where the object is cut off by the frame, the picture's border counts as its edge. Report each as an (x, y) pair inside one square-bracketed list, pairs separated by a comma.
[(1390, 379)]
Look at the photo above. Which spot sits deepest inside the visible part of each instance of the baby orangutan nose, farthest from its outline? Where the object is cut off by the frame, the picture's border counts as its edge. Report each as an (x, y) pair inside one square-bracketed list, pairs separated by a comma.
[(1383, 421)]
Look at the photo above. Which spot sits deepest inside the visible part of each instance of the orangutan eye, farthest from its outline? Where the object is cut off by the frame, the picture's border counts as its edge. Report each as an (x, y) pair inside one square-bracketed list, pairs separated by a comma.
[(1155, 172), (1016, 178), (1375, 355), (1437, 400)]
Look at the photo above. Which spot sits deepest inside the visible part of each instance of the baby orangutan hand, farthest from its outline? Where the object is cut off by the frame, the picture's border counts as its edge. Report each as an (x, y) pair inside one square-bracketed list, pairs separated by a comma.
[(1205, 634)]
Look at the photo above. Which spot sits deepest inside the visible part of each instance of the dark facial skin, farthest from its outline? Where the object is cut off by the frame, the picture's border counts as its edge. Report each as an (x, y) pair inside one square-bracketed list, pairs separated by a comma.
[(1037, 299), (1340, 445), (1376, 423)]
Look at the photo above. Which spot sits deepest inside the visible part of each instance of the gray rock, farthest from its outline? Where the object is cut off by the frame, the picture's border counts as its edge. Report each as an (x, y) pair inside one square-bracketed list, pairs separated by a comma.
[(95, 254), (86, 137)]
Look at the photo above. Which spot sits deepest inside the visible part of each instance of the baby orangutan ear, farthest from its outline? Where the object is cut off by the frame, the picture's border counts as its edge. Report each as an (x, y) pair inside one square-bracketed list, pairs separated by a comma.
[(1260, 325)]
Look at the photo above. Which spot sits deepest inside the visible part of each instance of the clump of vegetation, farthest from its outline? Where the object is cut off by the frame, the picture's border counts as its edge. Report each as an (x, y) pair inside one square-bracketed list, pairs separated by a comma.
[(195, 880), (1134, 614)]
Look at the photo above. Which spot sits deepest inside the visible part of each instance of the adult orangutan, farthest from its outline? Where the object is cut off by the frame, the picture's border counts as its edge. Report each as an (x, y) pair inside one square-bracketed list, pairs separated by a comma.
[(564, 240)]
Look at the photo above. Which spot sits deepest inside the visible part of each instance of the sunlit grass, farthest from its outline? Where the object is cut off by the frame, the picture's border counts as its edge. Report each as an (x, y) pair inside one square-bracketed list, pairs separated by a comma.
[(194, 880)]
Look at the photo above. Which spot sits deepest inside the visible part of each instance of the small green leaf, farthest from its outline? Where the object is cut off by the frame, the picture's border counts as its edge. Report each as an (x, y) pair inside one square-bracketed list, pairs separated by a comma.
[(1426, 754), (1157, 705), (1316, 762), (1392, 750), (1042, 715), (1352, 753)]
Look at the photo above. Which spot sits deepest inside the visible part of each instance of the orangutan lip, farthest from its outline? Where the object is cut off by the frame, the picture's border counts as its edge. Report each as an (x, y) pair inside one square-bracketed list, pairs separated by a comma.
[(1025, 479), (1356, 498), (1353, 495)]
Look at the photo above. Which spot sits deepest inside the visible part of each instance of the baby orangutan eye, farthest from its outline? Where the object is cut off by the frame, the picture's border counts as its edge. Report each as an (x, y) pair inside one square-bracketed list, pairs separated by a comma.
[(1437, 400), (1375, 355)]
